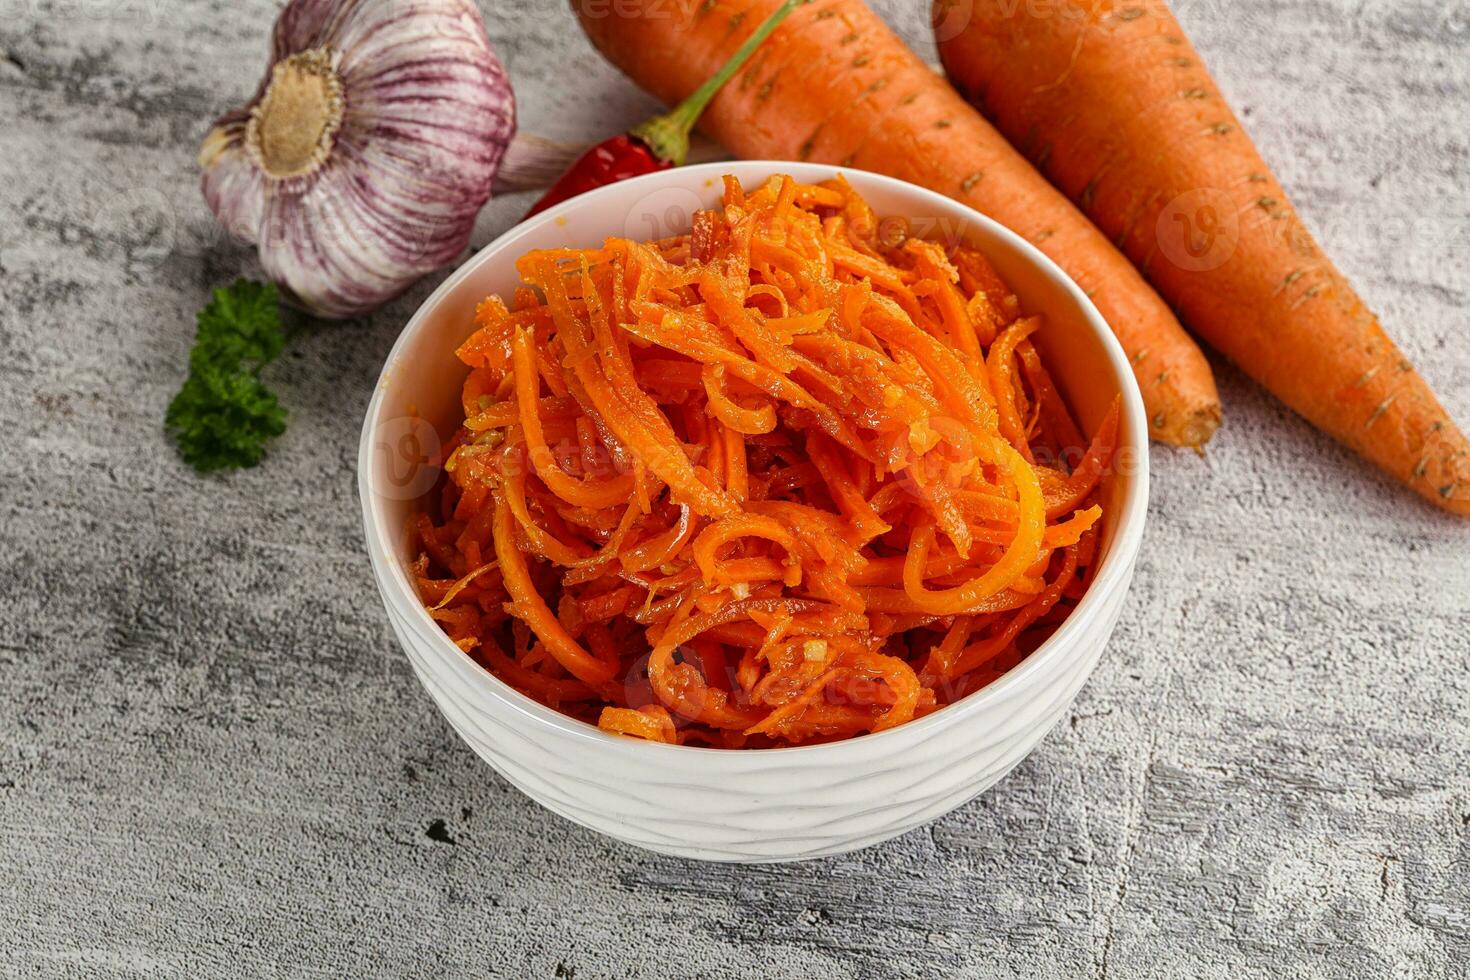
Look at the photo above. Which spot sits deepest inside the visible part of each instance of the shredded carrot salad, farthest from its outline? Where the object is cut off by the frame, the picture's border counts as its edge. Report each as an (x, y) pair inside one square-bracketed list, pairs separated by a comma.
[(785, 479)]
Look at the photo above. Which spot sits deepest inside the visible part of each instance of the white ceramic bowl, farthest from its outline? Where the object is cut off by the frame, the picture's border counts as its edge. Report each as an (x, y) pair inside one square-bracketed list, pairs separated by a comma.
[(755, 805)]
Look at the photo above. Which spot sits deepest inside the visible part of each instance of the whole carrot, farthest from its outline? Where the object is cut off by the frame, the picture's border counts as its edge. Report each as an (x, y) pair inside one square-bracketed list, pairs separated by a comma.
[(834, 85), (1113, 104)]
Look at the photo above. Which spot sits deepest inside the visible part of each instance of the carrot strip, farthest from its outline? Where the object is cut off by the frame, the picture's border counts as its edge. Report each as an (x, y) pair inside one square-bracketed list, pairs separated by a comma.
[(1084, 479), (839, 482), (748, 421), (1022, 551), (651, 722), (661, 548), (531, 608), (999, 363)]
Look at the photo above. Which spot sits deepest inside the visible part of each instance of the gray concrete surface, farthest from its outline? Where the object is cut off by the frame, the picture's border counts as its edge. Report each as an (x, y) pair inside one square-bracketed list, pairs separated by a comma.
[(214, 762)]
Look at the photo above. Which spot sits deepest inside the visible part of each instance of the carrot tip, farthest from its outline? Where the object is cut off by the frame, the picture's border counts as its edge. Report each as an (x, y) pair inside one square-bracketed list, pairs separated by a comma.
[(1191, 431)]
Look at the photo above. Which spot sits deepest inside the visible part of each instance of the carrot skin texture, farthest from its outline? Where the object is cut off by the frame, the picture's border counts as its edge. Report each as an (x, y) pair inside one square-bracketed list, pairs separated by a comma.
[(834, 85), (1160, 163)]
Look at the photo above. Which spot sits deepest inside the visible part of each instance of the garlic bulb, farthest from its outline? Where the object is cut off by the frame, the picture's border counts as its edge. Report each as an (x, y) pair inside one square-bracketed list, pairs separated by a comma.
[(372, 143)]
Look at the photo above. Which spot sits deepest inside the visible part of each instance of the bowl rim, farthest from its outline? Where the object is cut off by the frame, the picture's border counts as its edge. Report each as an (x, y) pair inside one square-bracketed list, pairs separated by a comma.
[(1114, 572)]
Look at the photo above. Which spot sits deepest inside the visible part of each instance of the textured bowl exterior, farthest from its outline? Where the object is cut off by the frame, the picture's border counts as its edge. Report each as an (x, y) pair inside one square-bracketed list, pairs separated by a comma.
[(773, 804), (783, 806)]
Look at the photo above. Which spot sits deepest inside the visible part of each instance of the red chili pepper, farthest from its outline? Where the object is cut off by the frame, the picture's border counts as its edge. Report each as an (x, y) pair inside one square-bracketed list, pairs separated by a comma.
[(661, 142), (608, 162)]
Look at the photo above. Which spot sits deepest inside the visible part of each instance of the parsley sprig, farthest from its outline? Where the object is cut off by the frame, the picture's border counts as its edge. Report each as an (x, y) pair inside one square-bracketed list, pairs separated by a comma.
[(223, 416)]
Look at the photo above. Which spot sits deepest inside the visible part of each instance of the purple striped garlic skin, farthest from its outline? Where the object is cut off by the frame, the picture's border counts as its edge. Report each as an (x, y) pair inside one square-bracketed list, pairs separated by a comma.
[(369, 148)]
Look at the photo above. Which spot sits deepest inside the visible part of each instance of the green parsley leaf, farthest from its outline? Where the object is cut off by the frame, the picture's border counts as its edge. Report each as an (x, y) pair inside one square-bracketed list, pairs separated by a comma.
[(241, 325), (223, 416)]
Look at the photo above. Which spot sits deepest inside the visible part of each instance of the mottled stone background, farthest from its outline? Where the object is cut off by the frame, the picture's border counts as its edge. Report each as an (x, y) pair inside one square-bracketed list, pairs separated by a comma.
[(214, 762)]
